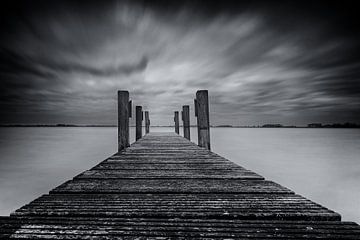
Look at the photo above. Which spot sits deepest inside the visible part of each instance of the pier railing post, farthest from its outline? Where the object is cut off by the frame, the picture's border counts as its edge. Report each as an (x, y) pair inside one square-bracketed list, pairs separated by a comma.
[(186, 121), (124, 112), (139, 119), (147, 122), (176, 120), (202, 114)]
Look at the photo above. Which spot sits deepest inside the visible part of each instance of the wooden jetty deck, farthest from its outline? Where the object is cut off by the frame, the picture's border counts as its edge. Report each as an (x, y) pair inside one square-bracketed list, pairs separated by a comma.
[(166, 187)]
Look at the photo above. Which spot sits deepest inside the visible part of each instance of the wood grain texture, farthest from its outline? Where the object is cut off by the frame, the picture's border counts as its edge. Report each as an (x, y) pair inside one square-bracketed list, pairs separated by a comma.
[(147, 122), (139, 119), (176, 120), (165, 187), (124, 108), (186, 121), (203, 122)]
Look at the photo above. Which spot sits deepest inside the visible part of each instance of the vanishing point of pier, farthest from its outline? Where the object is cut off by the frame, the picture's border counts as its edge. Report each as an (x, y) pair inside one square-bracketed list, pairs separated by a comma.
[(165, 187)]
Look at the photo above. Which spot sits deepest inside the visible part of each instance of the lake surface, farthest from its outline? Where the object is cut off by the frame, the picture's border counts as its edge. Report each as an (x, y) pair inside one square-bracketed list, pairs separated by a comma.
[(320, 164)]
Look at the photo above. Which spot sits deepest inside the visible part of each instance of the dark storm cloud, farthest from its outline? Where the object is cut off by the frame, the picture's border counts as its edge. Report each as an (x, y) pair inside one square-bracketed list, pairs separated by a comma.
[(280, 62), (13, 63), (105, 71)]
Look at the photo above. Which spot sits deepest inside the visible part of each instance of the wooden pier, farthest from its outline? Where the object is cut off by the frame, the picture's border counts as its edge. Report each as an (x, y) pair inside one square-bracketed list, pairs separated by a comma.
[(165, 187)]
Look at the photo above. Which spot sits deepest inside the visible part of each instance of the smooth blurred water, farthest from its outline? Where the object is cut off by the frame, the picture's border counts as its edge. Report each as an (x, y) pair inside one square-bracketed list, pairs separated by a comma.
[(320, 164)]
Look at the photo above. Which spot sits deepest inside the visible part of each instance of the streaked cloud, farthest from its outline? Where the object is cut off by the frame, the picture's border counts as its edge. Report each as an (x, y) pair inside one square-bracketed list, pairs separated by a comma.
[(259, 63)]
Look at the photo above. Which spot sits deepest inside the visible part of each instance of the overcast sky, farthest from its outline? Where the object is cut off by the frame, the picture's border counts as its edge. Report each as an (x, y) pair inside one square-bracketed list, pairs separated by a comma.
[(63, 62)]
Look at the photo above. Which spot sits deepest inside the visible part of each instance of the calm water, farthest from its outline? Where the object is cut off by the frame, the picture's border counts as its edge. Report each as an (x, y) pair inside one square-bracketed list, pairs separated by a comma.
[(320, 164)]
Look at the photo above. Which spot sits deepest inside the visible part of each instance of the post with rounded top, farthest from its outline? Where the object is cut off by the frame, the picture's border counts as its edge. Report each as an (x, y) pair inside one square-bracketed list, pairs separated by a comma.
[(139, 119), (176, 120), (124, 112), (202, 114), (147, 122), (186, 121)]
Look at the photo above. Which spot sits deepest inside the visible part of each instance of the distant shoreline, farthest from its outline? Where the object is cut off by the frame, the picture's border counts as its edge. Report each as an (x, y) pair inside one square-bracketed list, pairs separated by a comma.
[(54, 125), (335, 125)]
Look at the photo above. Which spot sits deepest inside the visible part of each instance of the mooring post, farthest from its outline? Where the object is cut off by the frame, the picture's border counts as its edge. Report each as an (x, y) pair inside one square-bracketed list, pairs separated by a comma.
[(139, 119), (186, 121), (147, 122), (124, 112), (202, 113), (176, 120)]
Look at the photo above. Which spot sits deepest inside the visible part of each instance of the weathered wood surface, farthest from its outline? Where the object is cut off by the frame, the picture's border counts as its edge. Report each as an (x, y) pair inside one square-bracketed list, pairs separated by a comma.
[(177, 228), (176, 120), (147, 122), (202, 117), (165, 187), (185, 115), (138, 122), (124, 112)]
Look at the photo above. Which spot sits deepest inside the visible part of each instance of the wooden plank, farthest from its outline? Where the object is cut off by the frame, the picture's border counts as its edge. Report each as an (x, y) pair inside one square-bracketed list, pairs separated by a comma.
[(190, 165), (148, 228), (170, 186), (172, 173), (239, 206)]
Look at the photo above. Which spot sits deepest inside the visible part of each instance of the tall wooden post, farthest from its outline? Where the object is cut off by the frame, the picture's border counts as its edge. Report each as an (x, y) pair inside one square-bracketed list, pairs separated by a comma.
[(176, 120), (139, 119), (202, 114), (186, 121), (147, 122), (124, 112)]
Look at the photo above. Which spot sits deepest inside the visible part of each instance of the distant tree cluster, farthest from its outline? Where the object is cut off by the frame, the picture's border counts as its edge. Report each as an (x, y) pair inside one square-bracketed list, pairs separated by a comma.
[(334, 125)]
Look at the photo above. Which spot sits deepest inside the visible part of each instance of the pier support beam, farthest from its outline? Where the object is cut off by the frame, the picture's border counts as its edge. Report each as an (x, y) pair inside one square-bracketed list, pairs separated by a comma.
[(139, 119), (124, 112), (202, 114), (186, 121), (176, 120), (147, 122)]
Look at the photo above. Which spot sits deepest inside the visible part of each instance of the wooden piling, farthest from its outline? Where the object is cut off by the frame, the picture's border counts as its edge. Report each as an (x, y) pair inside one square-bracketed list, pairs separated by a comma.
[(202, 114), (186, 121), (176, 120), (147, 122), (139, 119), (124, 112)]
